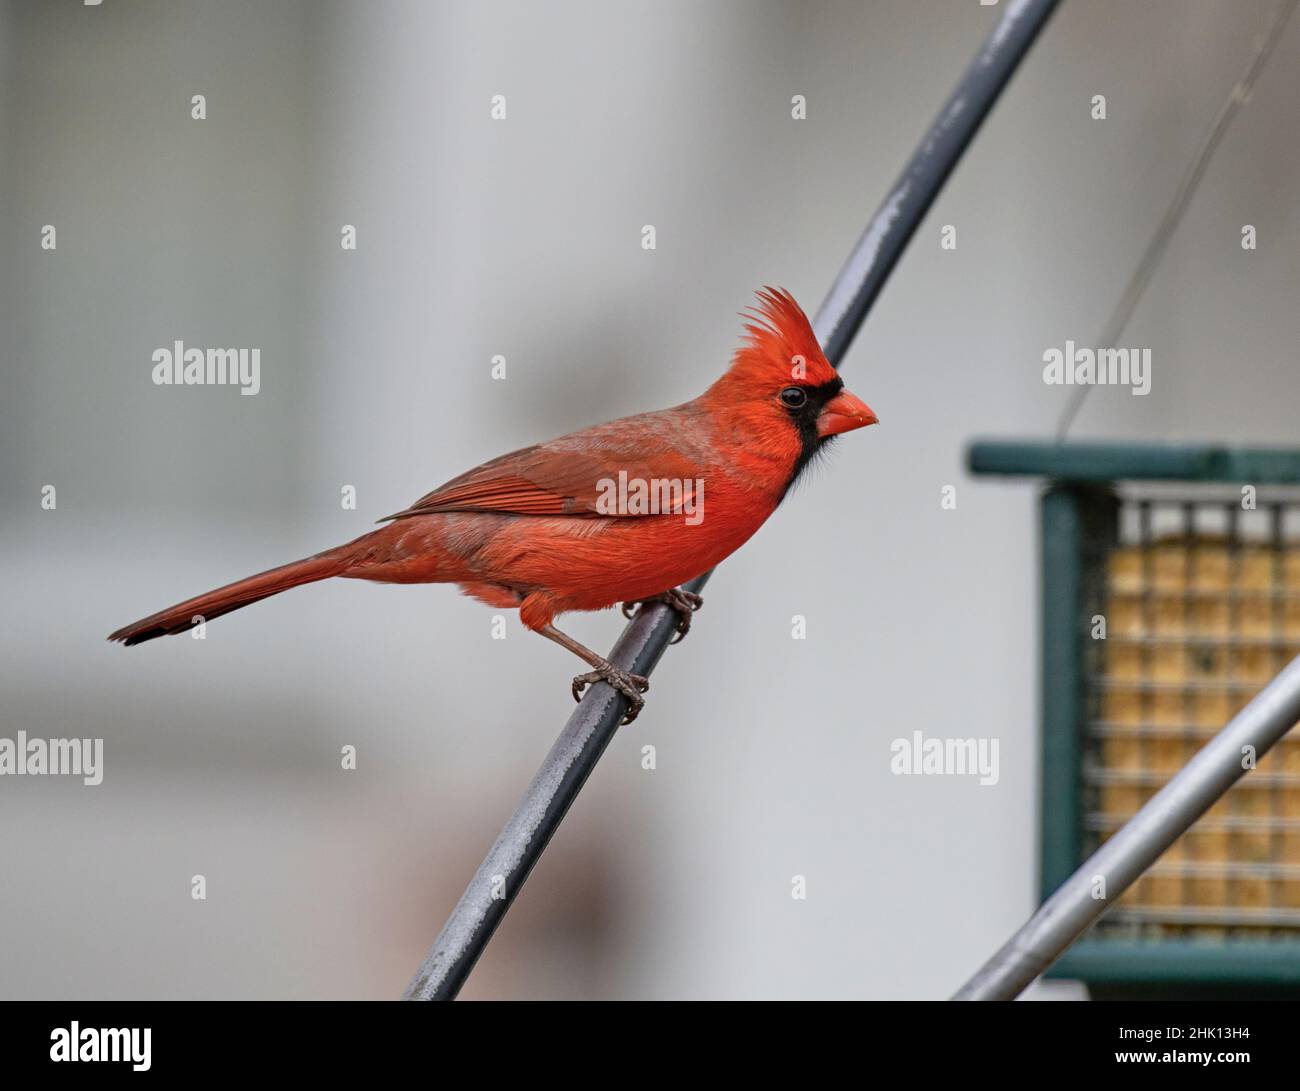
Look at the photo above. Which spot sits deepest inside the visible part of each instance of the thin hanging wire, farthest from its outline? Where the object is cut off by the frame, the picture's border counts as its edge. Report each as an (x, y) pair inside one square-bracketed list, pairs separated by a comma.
[(1155, 250)]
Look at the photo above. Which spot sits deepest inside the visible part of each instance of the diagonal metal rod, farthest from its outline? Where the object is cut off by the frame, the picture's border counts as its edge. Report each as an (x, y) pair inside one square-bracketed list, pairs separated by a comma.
[(1139, 842), (570, 761)]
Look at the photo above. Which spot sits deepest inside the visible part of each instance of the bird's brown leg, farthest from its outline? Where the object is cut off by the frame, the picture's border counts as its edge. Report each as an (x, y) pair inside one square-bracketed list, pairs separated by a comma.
[(684, 602), (629, 685)]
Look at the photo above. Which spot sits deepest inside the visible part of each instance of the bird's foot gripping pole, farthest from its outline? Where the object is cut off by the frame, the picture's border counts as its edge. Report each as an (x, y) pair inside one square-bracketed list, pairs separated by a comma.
[(628, 684), (684, 602)]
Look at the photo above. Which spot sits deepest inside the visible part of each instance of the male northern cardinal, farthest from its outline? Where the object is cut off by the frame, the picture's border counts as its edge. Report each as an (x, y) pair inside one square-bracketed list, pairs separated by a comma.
[(622, 512)]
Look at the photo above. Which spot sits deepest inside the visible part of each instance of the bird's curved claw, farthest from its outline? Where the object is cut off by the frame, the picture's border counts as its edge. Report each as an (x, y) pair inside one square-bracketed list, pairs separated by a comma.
[(629, 685), (684, 602)]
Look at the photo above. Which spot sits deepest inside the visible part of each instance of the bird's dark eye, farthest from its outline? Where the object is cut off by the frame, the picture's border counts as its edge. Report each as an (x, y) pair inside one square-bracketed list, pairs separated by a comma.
[(794, 396)]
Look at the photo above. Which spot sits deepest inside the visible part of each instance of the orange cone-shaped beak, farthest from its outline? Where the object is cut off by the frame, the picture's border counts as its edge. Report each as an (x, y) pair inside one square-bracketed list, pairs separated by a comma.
[(843, 413)]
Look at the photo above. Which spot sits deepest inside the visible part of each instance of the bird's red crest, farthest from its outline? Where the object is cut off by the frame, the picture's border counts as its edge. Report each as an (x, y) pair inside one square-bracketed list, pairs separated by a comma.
[(780, 345)]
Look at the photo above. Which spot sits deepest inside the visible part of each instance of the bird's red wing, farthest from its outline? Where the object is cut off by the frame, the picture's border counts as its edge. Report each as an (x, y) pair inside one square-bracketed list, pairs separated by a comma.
[(576, 475)]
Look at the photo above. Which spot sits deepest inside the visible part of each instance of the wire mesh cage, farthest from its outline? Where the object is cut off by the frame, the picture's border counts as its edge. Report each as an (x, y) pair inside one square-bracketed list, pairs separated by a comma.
[(1171, 597), (1196, 609)]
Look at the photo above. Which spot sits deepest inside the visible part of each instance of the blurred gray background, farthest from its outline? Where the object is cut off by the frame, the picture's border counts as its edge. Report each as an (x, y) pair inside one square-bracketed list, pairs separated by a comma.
[(522, 238)]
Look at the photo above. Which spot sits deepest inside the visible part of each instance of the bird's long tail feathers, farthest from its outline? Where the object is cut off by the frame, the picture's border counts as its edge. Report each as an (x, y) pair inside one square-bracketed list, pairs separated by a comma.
[(179, 618)]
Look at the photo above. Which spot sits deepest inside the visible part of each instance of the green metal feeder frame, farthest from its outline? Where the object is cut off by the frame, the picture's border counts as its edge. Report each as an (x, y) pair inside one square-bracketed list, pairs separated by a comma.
[(1170, 596)]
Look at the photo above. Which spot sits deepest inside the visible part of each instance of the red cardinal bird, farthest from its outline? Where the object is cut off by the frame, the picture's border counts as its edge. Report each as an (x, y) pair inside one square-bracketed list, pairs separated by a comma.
[(620, 513)]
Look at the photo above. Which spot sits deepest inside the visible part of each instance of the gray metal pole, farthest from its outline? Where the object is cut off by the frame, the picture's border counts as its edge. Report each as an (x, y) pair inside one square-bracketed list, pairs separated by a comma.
[(589, 730), (1109, 871)]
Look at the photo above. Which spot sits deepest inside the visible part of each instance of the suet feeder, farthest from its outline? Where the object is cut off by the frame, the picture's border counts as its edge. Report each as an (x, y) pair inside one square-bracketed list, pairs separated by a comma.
[(1170, 580)]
